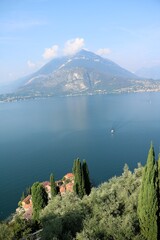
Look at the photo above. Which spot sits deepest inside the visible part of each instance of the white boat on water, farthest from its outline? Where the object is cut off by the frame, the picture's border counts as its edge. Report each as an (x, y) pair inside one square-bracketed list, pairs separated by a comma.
[(112, 131)]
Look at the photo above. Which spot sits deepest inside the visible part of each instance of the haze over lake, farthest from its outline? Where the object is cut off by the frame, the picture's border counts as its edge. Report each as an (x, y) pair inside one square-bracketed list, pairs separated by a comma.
[(42, 136)]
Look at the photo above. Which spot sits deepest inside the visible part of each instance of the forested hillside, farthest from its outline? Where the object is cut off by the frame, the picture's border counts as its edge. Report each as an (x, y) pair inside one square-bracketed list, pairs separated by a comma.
[(109, 212), (123, 208)]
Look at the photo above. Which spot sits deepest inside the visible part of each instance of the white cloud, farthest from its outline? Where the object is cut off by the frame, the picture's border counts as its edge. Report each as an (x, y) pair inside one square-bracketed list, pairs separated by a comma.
[(31, 64), (50, 52), (103, 51), (72, 46)]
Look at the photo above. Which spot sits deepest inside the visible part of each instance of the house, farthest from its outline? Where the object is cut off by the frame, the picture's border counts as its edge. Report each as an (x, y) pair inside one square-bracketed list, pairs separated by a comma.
[(66, 188), (69, 187), (64, 185), (68, 183), (62, 189), (27, 207), (28, 213), (47, 186), (69, 176), (27, 202)]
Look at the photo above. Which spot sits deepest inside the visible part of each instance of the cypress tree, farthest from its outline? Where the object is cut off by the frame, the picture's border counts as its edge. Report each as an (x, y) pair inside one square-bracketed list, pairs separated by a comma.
[(77, 170), (148, 201), (74, 170), (39, 199), (86, 184), (158, 166), (79, 178), (74, 166), (82, 183), (53, 186)]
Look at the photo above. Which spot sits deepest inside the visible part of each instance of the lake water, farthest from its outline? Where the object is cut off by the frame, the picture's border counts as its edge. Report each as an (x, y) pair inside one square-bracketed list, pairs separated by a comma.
[(38, 137)]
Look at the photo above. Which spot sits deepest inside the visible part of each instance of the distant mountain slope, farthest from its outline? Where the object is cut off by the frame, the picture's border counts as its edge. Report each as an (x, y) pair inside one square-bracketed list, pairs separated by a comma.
[(83, 72)]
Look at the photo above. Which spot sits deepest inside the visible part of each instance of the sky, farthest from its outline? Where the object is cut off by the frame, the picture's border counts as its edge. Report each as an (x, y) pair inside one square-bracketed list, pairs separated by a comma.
[(32, 32)]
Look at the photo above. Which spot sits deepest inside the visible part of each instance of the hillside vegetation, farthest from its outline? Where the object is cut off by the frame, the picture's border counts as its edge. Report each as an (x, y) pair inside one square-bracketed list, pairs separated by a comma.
[(109, 212), (123, 208)]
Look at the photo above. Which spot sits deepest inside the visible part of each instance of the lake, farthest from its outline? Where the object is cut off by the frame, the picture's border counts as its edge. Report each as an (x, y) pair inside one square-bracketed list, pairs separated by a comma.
[(44, 136)]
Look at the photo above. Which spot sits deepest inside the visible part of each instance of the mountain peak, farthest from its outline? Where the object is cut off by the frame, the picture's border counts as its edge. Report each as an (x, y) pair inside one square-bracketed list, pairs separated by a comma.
[(84, 72), (86, 53)]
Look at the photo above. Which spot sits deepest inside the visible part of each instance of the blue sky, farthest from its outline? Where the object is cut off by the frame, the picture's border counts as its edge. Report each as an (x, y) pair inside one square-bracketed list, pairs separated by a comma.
[(32, 32)]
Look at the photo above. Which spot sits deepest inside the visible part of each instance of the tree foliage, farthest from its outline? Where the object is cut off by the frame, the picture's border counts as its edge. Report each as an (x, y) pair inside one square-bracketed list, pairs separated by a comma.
[(158, 214), (5, 232), (18, 228), (148, 201), (82, 183), (62, 218), (39, 199), (123, 208), (86, 184), (77, 170), (53, 186), (108, 212)]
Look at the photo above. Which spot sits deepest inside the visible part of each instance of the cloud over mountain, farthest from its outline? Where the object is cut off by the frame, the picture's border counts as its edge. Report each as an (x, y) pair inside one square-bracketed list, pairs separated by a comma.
[(73, 46), (103, 51), (51, 52)]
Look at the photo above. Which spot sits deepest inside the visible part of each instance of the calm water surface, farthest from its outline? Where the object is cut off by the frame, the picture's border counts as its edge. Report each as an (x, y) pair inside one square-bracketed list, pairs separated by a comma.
[(44, 136)]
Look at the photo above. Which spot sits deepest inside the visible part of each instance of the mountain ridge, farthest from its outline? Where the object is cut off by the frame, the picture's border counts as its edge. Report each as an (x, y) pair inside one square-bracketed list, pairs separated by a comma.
[(84, 73)]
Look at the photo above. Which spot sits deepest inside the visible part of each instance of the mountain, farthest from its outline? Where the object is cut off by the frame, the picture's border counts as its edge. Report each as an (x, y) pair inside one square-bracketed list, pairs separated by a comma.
[(82, 73), (153, 72), (85, 72)]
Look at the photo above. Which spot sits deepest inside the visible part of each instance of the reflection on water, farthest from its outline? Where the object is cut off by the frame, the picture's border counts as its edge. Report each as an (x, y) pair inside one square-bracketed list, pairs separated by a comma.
[(77, 112)]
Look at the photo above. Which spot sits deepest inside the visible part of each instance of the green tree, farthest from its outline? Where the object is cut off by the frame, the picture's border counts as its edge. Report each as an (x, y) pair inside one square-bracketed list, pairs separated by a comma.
[(53, 186), (39, 199), (78, 178), (66, 220), (147, 201), (20, 227), (74, 166), (6, 232), (82, 183), (109, 212), (158, 166), (86, 184)]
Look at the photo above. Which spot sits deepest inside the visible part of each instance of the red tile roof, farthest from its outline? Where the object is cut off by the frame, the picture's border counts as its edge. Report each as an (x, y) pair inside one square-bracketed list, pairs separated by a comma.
[(69, 175), (27, 199)]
